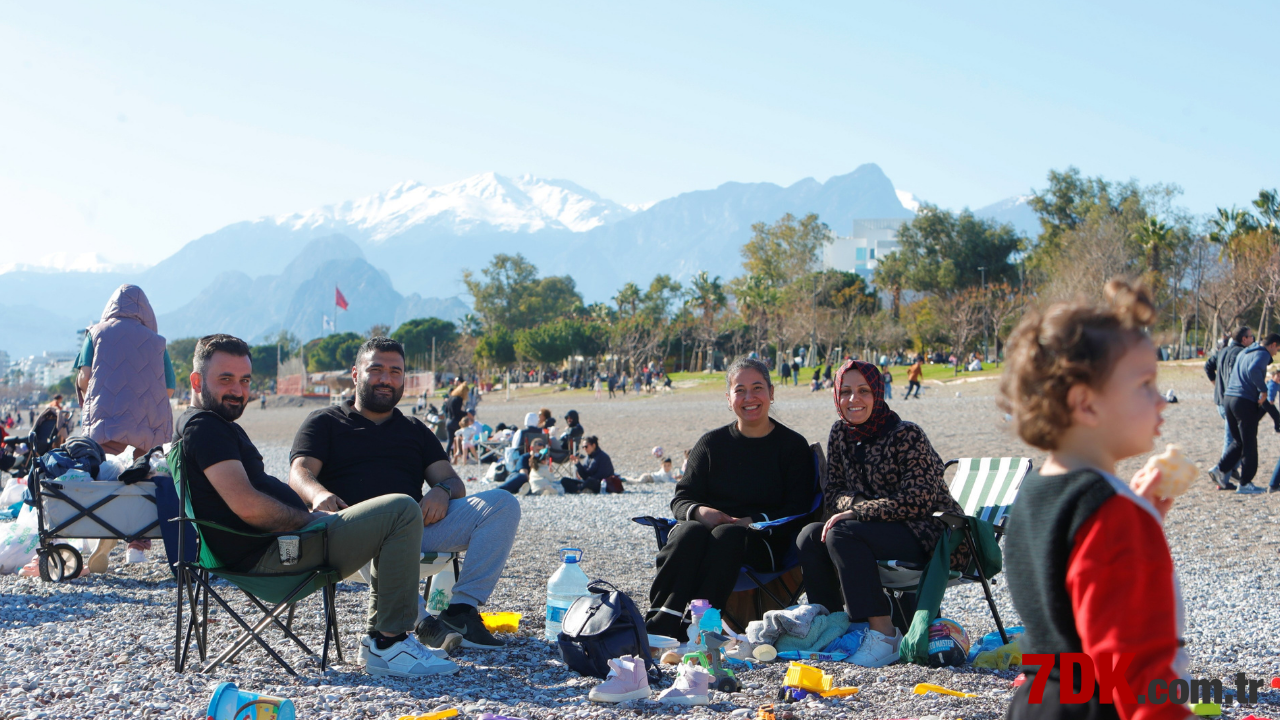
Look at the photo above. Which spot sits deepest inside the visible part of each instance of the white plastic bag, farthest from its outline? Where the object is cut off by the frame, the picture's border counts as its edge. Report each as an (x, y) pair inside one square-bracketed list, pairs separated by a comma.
[(18, 541), (12, 492), (110, 470)]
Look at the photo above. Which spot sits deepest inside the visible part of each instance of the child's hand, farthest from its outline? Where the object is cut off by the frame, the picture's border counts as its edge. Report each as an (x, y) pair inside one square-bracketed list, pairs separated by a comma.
[(1144, 483)]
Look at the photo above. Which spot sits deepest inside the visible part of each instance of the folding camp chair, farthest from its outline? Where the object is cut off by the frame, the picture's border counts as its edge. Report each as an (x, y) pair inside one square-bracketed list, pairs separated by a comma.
[(270, 593), (564, 466), (985, 489), (749, 578)]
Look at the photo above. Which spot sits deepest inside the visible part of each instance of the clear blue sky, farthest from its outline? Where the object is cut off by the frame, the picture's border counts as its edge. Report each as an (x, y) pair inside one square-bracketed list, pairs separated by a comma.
[(132, 128)]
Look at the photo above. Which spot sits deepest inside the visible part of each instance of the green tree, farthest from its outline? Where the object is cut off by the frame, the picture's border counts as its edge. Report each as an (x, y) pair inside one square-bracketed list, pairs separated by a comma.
[(496, 348), (334, 352), (943, 253), (182, 353), (785, 250), (264, 361), (509, 293), (1070, 200), (416, 336)]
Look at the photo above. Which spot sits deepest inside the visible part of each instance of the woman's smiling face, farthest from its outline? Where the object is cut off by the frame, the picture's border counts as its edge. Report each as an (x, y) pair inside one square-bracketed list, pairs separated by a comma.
[(856, 398), (750, 396)]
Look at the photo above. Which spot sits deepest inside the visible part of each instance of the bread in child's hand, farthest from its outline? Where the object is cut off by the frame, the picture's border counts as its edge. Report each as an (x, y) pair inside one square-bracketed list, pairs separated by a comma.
[(1176, 472)]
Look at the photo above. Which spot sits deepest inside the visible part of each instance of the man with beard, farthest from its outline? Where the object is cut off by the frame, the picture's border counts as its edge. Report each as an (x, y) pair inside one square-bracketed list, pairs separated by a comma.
[(365, 448), (228, 485)]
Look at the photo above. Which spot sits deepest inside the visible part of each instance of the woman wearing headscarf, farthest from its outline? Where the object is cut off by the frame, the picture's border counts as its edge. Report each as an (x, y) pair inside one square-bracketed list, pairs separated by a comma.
[(884, 482)]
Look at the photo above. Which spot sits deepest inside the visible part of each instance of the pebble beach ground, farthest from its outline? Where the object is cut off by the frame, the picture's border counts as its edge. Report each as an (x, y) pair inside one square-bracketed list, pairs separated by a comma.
[(102, 646)]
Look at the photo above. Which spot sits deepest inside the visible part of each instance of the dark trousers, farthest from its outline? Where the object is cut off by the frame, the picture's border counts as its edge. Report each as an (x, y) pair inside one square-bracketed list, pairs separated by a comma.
[(913, 384), (1242, 422), (701, 563), (842, 573)]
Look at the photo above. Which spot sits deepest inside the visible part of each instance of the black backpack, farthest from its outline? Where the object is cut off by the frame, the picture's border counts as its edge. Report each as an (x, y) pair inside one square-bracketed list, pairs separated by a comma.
[(600, 627)]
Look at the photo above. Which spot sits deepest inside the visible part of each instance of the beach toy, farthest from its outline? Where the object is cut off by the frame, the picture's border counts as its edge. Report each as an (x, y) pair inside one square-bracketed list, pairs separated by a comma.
[(1018, 681), (923, 688), (1207, 709), (231, 703), (807, 677), (764, 653), (660, 644), (431, 716), (670, 657), (1275, 682), (840, 692), (503, 622), (657, 452)]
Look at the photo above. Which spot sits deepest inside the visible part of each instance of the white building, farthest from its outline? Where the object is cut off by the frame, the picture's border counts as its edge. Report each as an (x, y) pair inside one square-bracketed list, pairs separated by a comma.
[(861, 250), (46, 368)]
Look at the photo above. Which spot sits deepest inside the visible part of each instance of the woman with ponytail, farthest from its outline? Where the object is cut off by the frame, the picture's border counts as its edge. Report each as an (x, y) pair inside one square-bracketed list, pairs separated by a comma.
[(884, 482)]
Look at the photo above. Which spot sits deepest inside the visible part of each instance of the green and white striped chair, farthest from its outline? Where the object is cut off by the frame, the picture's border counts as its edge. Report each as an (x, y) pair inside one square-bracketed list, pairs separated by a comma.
[(985, 488)]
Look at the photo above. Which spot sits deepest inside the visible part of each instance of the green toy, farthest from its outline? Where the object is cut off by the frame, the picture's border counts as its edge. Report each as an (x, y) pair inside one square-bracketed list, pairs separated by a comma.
[(722, 678)]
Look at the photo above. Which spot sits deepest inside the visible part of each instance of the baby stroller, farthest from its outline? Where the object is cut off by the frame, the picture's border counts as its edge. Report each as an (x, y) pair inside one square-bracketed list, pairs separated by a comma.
[(71, 503), (42, 438)]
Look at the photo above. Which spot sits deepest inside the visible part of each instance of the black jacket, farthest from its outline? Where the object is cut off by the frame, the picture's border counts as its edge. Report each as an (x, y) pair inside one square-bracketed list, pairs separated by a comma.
[(1218, 368)]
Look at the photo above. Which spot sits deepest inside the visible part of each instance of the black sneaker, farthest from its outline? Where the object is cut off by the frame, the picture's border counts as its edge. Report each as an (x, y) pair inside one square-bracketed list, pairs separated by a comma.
[(432, 633), (469, 625)]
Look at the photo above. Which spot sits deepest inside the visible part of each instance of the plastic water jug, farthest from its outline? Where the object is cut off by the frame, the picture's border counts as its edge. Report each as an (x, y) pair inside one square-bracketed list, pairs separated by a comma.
[(567, 584)]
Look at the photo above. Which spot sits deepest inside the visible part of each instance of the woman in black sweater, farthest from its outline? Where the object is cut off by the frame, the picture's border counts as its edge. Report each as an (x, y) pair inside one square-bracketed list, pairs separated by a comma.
[(752, 470)]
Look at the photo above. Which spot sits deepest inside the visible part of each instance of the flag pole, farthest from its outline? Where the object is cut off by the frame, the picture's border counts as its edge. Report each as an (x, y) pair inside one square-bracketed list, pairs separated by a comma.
[(335, 309)]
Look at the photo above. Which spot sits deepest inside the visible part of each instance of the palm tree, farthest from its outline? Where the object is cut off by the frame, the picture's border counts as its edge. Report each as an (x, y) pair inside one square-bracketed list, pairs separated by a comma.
[(707, 295)]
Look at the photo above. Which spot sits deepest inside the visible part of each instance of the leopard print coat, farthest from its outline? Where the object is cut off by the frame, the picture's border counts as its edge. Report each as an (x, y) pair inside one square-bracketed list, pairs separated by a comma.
[(895, 478)]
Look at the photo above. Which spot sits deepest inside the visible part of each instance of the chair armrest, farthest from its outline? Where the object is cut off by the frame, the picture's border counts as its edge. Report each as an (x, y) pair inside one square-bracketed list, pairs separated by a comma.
[(769, 525), (654, 522), (308, 530), (952, 520)]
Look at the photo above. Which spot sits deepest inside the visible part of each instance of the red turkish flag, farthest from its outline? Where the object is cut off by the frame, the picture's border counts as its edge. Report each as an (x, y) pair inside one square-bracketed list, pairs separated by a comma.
[(338, 299)]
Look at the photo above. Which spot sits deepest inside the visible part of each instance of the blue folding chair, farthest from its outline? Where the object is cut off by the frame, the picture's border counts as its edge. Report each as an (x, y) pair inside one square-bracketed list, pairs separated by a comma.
[(749, 578)]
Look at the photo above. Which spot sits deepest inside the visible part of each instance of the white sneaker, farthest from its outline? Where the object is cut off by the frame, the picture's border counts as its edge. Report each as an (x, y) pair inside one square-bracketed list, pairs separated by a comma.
[(407, 658), (1249, 489), (135, 556), (362, 658), (877, 649)]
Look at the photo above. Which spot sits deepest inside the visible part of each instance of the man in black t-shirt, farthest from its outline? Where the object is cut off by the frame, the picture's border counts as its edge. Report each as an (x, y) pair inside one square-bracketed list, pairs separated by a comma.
[(228, 485), (366, 448)]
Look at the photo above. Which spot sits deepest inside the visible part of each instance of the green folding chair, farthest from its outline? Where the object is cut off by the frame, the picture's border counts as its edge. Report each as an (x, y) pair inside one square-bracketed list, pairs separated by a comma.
[(271, 593), (985, 488)]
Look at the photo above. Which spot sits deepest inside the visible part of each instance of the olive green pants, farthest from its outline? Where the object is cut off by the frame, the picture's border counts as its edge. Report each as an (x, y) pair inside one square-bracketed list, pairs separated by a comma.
[(387, 530)]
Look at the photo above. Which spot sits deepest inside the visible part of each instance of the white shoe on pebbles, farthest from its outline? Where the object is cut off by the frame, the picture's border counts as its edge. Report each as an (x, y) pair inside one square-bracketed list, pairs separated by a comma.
[(406, 658), (135, 556), (878, 649)]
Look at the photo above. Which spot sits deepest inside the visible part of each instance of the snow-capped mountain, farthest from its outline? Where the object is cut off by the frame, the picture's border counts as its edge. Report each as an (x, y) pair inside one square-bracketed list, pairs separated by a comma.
[(908, 200), (484, 202)]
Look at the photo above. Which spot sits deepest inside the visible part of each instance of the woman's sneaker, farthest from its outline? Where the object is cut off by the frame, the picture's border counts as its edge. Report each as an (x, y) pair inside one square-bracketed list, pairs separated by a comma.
[(628, 680), (692, 687), (878, 649), (406, 658)]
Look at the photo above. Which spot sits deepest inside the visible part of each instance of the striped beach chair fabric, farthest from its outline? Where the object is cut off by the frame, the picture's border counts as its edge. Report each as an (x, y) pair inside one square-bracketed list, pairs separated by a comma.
[(985, 488)]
